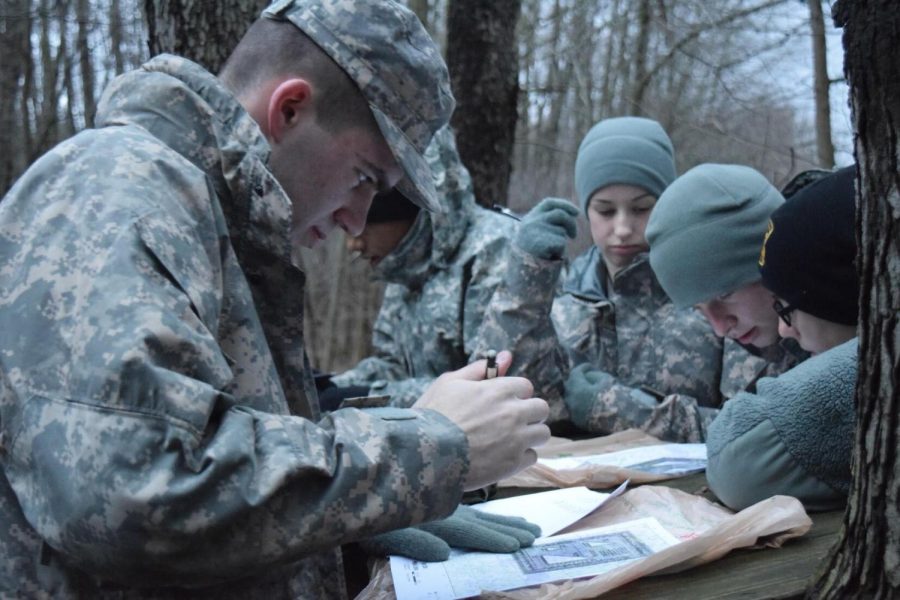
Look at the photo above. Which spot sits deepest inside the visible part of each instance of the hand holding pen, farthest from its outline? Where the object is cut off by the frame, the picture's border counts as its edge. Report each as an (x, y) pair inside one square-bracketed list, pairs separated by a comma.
[(500, 416)]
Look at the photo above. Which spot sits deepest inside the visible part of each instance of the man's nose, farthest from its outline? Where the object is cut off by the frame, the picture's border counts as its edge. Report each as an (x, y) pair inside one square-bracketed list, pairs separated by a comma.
[(352, 218)]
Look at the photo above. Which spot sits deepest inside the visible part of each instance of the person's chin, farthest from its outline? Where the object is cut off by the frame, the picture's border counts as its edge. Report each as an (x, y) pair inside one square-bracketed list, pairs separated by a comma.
[(757, 337)]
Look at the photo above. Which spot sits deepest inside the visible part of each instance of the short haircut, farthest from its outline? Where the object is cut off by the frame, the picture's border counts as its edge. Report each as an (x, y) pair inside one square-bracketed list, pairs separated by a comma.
[(273, 48)]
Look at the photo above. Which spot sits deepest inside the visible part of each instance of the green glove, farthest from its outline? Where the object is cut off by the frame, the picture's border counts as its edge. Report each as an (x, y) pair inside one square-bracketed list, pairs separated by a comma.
[(466, 528), (582, 388), (585, 383), (547, 228)]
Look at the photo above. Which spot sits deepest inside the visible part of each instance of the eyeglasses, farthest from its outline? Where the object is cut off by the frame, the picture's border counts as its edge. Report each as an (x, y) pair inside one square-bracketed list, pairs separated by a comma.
[(784, 312)]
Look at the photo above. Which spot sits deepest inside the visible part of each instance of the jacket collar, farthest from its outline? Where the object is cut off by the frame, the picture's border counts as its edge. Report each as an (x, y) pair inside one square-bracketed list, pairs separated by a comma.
[(588, 276), (191, 111)]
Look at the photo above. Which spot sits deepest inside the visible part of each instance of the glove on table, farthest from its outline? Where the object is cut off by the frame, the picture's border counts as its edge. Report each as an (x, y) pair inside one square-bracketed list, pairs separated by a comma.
[(465, 528)]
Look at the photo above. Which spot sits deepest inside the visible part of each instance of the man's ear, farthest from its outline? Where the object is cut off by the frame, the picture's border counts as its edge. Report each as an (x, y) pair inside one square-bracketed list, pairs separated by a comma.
[(290, 102)]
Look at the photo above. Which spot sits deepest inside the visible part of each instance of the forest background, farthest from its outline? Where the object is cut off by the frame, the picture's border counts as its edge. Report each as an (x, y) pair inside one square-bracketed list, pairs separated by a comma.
[(743, 81)]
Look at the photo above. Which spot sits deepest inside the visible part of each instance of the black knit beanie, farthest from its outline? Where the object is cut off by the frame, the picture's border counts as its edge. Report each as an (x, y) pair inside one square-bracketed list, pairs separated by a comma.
[(391, 206), (809, 252)]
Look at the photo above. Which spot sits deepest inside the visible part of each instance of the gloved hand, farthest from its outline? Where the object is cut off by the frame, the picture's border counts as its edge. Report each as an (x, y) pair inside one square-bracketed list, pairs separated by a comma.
[(465, 528), (582, 387), (547, 227)]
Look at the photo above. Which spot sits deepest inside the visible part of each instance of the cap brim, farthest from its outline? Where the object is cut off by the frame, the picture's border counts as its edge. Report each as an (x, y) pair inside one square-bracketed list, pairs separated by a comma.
[(418, 185)]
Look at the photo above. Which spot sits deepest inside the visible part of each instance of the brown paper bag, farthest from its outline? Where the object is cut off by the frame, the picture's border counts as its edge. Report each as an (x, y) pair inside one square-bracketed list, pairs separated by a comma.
[(708, 531), (595, 476)]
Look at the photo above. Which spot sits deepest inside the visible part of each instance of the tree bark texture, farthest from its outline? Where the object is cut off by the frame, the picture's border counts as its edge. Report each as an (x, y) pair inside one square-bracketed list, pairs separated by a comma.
[(866, 562), (16, 51), (640, 59), (824, 144), (115, 37), (205, 32), (483, 63), (83, 14)]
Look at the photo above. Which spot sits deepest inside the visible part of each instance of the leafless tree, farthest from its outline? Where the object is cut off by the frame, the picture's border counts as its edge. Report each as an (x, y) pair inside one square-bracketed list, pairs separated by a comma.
[(205, 32), (483, 63), (15, 47), (822, 89)]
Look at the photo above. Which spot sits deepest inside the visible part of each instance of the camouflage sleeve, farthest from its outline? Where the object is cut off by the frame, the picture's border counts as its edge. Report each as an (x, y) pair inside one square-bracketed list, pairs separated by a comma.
[(476, 282), (387, 364), (669, 389), (405, 392), (617, 407), (518, 319), (386, 372), (254, 490), (144, 467)]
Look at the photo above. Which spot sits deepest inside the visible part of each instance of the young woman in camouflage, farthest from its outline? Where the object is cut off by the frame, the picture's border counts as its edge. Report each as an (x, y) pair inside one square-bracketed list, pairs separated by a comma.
[(613, 344)]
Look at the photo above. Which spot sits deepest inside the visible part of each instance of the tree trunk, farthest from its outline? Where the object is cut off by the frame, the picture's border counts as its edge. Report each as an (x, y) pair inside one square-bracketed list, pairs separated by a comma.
[(16, 52), (205, 32), (622, 70), (866, 562), (528, 56), (47, 118), (639, 85), (558, 77), (608, 82), (26, 95), (83, 13), (66, 126), (115, 36), (824, 144), (483, 61)]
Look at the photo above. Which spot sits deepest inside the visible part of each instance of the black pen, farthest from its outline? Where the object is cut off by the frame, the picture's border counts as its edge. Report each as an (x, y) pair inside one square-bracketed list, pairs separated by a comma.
[(505, 211)]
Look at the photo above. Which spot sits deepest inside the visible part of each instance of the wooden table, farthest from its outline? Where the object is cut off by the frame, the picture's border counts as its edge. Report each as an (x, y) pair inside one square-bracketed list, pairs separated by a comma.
[(783, 572)]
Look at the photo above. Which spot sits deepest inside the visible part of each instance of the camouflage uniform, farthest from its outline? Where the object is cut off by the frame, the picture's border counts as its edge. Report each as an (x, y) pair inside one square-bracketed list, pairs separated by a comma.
[(160, 433), (440, 279), (682, 418), (666, 372)]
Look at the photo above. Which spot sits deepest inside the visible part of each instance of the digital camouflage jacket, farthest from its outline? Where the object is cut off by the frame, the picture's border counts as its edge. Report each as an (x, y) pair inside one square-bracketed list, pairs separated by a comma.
[(664, 370), (160, 433), (440, 279)]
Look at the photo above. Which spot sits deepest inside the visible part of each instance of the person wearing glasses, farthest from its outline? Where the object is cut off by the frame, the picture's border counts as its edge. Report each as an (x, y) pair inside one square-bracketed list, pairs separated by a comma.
[(811, 245), (794, 436), (704, 235)]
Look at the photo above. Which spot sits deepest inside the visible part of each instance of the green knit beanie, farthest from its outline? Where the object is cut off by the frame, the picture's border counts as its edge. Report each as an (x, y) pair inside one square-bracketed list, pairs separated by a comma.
[(707, 229), (624, 150)]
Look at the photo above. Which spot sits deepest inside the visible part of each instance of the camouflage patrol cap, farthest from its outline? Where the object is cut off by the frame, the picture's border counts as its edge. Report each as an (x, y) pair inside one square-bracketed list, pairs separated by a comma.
[(385, 50)]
